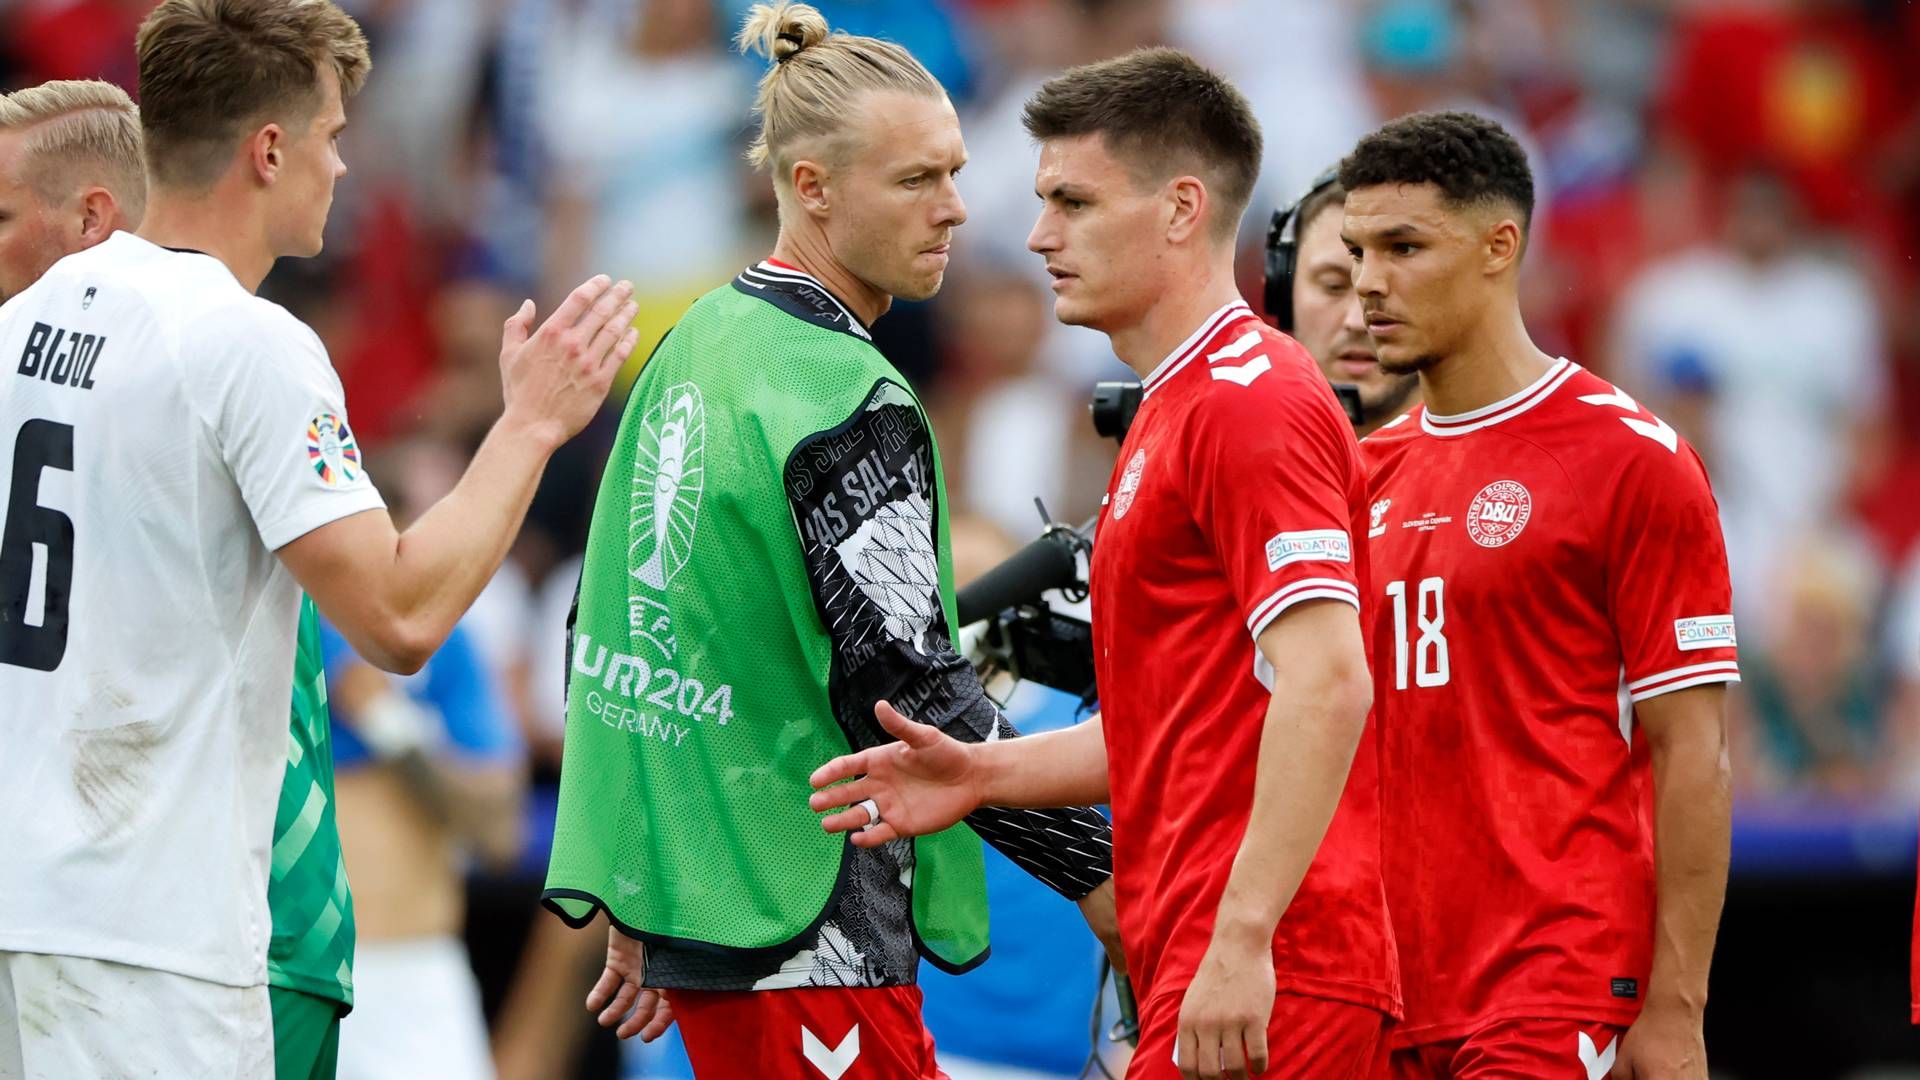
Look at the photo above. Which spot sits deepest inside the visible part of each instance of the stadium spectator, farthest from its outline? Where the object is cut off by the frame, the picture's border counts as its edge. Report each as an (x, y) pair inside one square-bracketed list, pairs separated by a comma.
[(1817, 694), (653, 192), (1900, 653), (1768, 352), (1013, 427), (1808, 87), (429, 774)]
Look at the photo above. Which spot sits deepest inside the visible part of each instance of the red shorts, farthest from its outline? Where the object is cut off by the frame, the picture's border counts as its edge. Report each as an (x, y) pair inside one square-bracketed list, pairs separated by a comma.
[(1515, 1050), (807, 1033), (1308, 1038)]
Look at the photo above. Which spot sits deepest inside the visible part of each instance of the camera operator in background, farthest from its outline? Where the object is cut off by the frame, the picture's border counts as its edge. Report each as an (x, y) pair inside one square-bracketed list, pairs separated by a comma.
[(1310, 295)]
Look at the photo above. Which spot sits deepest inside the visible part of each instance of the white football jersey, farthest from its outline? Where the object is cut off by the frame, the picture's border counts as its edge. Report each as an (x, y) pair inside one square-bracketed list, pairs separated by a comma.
[(162, 432)]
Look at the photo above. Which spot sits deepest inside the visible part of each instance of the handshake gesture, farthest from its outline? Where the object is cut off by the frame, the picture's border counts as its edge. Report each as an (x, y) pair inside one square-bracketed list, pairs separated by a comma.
[(922, 784), (926, 782)]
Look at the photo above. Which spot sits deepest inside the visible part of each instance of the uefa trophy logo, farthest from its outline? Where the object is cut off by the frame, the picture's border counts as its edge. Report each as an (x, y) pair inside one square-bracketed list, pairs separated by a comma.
[(669, 474)]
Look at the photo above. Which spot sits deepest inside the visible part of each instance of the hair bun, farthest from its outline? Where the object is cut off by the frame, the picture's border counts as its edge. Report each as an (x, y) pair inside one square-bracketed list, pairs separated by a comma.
[(781, 31)]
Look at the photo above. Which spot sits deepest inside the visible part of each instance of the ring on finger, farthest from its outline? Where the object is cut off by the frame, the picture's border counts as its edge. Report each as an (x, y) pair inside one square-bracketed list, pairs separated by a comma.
[(873, 813)]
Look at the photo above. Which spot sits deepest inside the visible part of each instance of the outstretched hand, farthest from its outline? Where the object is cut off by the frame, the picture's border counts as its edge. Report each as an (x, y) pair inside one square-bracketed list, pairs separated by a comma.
[(556, 377), (921, 784)]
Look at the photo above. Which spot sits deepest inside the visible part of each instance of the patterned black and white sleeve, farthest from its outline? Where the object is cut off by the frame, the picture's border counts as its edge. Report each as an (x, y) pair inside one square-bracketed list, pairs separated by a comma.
[(866, 506), (1067, 849)]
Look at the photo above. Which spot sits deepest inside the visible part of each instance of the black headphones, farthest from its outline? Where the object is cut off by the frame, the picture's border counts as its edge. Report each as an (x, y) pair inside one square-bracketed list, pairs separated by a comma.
[(1283, 250)]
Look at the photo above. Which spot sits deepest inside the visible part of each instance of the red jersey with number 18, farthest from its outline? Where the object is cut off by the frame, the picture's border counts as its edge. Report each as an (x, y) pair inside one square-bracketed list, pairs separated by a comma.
[(1234, 498), (1538, 565)]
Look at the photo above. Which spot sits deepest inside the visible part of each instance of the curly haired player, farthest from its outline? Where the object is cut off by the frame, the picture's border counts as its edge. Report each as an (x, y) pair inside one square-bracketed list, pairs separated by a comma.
[(1551, 634)]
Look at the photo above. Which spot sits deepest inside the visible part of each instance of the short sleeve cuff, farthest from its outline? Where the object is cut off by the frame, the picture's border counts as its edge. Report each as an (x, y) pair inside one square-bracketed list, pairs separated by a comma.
[(313, 513), (1680, 678), (1294, 592)]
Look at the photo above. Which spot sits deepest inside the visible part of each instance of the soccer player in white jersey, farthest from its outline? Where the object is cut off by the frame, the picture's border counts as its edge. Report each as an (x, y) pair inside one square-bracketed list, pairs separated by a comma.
[(175, 464)]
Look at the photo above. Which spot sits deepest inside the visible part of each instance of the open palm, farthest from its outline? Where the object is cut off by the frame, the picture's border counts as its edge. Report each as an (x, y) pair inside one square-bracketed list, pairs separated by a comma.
[(922, 784)]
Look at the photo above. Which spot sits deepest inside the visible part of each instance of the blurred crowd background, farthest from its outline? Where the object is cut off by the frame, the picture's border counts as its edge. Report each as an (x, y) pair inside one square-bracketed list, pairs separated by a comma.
[(1729, 206)]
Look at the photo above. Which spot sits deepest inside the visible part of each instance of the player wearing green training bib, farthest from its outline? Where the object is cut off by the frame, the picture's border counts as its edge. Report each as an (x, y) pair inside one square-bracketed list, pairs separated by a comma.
[(310, 960), (768, 558)]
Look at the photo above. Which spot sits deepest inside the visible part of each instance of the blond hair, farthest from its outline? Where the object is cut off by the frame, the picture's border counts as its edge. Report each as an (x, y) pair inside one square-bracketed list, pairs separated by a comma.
[(816, 74), (210, 70), (79, 133)]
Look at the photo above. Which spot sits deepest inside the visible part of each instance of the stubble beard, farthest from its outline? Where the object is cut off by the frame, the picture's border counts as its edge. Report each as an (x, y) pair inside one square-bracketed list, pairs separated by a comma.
[(1414, 366), (1391, 399), (923, 288)]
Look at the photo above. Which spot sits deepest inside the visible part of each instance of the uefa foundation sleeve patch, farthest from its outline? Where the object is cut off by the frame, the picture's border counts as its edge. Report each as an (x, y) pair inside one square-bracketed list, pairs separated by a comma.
[(1313, 545), (332, 451), (1704, 632)]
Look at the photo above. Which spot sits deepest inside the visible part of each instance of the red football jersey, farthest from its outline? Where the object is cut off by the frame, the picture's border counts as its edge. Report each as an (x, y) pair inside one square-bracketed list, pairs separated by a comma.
[(1538, 564), (1234, 497)]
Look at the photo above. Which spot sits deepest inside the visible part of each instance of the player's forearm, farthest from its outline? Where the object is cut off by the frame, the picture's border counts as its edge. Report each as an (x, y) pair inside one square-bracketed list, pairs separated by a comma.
[(1692, 823), (1312, 727), (446, 557), (1055, 768)]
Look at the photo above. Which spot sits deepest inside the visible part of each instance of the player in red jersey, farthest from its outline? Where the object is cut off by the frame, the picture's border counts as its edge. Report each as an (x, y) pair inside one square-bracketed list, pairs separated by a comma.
[(1226, 587), (1551, 631)]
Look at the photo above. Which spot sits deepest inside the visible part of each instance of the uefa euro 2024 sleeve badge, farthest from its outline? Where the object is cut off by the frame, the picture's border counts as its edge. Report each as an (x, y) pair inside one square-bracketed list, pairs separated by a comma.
[(332, 451), (669, 473)]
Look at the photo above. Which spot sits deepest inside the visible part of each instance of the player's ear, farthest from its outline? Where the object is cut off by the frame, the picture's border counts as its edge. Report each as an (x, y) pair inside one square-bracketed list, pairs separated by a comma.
[(1187, 206), (266, 152), (1504, 245), (810, 187), (99, 215)]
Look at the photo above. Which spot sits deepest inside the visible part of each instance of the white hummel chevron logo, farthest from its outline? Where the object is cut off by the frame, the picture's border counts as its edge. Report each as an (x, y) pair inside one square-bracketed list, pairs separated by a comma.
[(1238, 349), (1245, 373), (1657, 430), (1598, 1062), (835, 1062)]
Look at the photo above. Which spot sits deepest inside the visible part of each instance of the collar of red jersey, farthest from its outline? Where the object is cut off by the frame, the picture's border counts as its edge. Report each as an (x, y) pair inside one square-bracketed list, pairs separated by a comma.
[(1505, 409), (1190, 348)]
